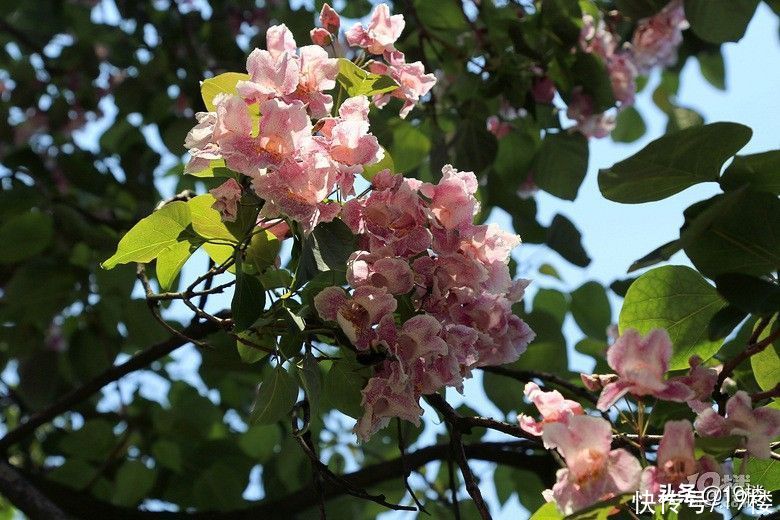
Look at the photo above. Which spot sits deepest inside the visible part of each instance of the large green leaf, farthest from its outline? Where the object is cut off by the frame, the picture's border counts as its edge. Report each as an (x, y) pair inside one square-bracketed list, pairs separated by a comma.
[(764, 473), (207, 222), (719, 21), (548, 511), (410, 146), (564, 238), (327, 248), (133, 482), (248, 300), (629, 126), (276, 397), (678, 299), (673, 162), (591, 310), (761, 171), (766, 364), (152, 235), (262, 250), (358, 82), (561, 164), (221, 84), (24, 236), (738, 232), (170, 261)]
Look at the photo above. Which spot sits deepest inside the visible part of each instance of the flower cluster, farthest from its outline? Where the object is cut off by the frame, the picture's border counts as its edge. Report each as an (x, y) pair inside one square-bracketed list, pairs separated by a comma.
[(278, 129), (419, 250), (595, 472)]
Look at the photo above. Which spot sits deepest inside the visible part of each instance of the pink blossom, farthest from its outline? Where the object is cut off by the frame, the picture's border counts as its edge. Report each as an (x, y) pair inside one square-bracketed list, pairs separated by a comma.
[(543, 90), (551, 405), (593, 472), (595, 382), (419, 338), (273, 72), (284, 129), (200, 143), (497, 127), (657, 38), (321, 37), (759, 426), (589, 123), (387, 395), (622, 75), (413, 82), (393, 273), (350, 142), (317, 73), (380, 35), (676, 463), (701, 380), (641, 364), (330, 19), (596, 39), (452, 199), (227, 196), (358, 314)]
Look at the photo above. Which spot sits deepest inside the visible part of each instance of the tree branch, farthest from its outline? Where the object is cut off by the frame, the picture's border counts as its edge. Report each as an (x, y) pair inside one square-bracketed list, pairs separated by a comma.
[(529, 375), (77, 395), (26, 497), (513, 453)]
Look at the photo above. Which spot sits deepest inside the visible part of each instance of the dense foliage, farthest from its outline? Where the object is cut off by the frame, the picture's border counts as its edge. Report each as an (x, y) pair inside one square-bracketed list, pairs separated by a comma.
[(336, 197)]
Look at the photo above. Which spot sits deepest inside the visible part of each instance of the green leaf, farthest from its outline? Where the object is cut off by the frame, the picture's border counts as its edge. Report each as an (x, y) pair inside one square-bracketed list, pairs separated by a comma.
[(720, 447), (311, 381), (327, 248), (152, 235), (207, 222), (248, 300), (629, 126), (246, 349), (133, 482), (92, 442), (552, 302), (410, 146), (262, 250), (724, 321), (591, 73), (659, 254), (761, 171), (751, 295), (385, 163), (712, 68), (342, 387), (259, 442), (566, 240), (170, 261), (221, 84), (766, 364), (24, 236), (515, 155), (548, 511), (219, 487), (738, 232), (167, 453), (475, 147), (591, 310), (764, 473), (561, 164), (358, 82), (672, 163), (276, 397), (547, 352), (638, 9), (677, 299), (718, 21)]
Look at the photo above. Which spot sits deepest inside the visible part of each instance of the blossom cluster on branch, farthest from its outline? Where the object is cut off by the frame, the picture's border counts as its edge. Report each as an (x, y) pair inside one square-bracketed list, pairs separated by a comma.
[(595, 472)]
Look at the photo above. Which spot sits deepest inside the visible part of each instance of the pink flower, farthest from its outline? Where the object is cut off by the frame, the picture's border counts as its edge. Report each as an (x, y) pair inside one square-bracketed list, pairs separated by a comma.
[(330, 19), (227, 196), (382, 32), (622, 75), (393, 273), (452, 199), (317, 73), (593, 472), (356, 315), (200, 143), (413, 82), (589, 123), (321, 37), (543, 90), (676, 462), (551, 405), (497, 127), (284, 129), (702, 381), (419, 338), (273, 72), (759, 426), (388, 394), (596, 39), (595, 382), (641, 364), (657, 38), (350, 142)]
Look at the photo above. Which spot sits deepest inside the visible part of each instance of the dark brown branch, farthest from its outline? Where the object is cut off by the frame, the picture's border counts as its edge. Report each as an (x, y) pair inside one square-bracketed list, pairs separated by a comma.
[(513, 453), (769, 394), (25, 496), (85, 391), (456, 442)]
